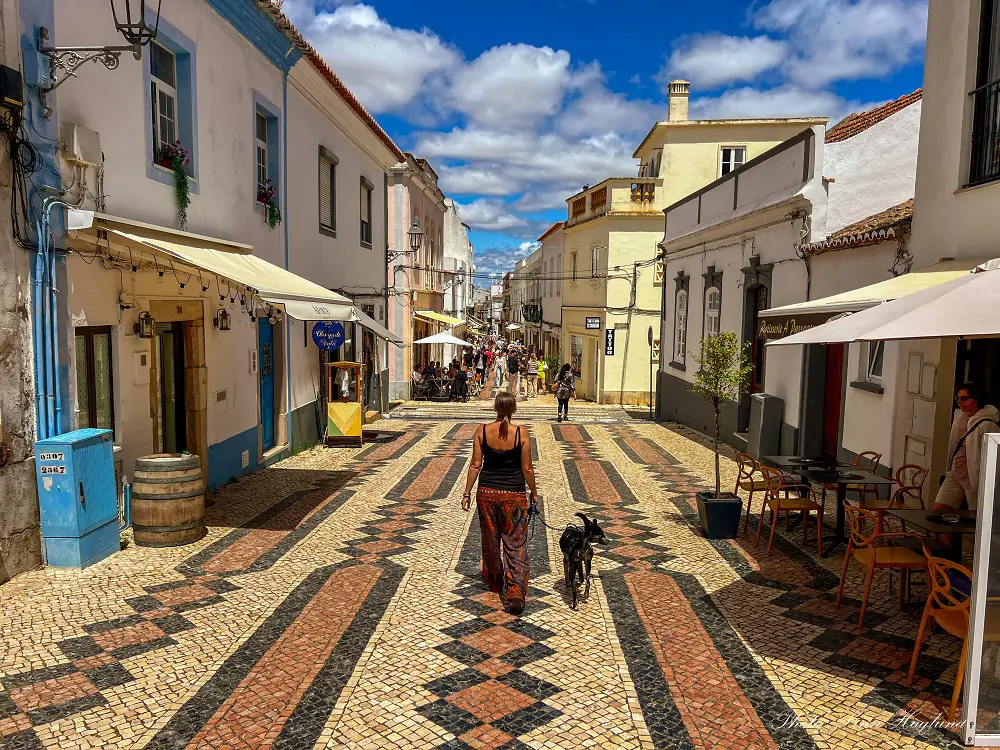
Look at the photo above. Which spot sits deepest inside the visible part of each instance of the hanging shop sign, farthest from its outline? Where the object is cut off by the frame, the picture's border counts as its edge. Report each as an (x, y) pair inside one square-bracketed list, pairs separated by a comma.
[(328, 335), (779, 326), (593, 324), (609, 342)]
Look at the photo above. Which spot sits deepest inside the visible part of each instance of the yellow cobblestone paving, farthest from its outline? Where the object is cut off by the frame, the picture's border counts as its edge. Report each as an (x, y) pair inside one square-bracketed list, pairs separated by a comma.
[(336, 602)]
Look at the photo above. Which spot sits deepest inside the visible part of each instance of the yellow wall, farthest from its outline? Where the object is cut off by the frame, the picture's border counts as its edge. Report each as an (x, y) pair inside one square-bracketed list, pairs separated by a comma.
[(691, 152)]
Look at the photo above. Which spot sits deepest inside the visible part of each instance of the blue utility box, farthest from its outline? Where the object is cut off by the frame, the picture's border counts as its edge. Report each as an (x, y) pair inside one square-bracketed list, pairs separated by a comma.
[(78, 497)]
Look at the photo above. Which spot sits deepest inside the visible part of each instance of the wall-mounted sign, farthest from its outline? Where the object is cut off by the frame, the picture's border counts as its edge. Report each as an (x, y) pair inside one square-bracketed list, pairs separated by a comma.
[(780, 326), (609, 342), (328, 334), (593, 324)]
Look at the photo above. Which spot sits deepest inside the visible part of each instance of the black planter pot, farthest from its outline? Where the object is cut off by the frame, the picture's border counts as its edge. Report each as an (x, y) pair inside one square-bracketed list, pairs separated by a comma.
[(720, 517)]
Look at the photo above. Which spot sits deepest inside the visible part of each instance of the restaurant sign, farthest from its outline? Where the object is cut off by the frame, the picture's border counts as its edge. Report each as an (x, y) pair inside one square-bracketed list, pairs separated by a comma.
[(781, 326)]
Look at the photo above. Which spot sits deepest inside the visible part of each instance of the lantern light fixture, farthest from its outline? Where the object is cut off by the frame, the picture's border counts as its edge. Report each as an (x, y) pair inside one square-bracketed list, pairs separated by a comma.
[(131, 21), (416, 235), (145, 326), (223, 320)]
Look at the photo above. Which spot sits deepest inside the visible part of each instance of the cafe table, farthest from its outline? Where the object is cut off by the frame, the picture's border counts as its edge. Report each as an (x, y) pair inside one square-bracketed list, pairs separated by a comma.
[(842, 478), (932, 521)]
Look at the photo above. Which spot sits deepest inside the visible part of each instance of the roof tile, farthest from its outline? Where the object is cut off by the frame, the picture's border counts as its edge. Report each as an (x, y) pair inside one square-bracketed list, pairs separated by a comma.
[(858, 122)]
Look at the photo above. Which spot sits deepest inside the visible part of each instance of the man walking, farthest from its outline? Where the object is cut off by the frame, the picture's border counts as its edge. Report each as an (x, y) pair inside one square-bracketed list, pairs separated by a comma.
[(513, 372)]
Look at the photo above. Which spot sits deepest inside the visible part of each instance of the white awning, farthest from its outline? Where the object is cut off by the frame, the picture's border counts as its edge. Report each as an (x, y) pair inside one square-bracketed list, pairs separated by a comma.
[(301, 298), (967, 306), (876, 294), (270, 282), (443, 338)]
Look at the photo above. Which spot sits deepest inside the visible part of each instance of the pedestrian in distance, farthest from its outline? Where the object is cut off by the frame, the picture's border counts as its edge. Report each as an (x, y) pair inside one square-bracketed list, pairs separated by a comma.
[(513, 369), (501, 461), (532, 371), (565, 389), (973, 419)]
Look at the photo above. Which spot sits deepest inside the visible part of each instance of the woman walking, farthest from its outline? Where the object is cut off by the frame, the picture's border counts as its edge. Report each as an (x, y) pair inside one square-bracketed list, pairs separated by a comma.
[(501, 460), (565, 387)]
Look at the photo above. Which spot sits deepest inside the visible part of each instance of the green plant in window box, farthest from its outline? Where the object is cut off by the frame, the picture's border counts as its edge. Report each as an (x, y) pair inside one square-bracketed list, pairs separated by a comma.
[(176, 159), (265, 195)]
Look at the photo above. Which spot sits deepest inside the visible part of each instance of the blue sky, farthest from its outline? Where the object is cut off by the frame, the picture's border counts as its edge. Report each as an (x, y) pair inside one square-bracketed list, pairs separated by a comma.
[(518, 104)]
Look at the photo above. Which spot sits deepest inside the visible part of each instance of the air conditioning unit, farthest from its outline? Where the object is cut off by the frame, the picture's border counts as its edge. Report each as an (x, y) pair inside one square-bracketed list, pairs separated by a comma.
[(81, 145)]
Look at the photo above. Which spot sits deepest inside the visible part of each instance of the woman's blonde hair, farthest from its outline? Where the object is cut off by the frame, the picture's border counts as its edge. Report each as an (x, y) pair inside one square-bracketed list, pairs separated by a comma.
[(505, 405)]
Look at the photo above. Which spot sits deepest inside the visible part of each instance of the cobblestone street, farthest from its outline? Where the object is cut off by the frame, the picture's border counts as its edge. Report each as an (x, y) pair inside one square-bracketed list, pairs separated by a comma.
[(336, 602)]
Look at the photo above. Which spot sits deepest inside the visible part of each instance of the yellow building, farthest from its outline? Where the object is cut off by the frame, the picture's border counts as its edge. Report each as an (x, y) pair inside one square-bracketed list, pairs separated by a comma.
[(612, 283)]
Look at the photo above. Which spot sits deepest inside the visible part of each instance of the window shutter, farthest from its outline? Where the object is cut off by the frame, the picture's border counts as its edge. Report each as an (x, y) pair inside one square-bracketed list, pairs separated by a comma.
[(326, 187), (364, 205)]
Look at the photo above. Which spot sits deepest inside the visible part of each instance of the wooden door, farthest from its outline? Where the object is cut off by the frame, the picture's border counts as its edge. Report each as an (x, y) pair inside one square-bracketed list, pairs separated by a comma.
[(833, 396)]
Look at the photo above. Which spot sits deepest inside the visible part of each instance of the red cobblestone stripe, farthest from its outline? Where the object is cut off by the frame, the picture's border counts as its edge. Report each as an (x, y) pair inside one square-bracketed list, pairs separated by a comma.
[(711, 702), (260, 705)]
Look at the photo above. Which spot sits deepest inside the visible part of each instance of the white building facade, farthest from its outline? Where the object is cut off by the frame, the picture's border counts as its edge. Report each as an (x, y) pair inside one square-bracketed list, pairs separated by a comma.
[(811, 218), (194, 333)]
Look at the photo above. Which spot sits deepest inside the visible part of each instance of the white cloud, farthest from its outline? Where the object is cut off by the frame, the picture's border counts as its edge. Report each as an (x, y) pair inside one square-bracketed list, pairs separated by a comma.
[(713, 60), (489, 215), (839, 40), (527, 248), (385, 66), (477, 181), (785, 101), (511, 86)]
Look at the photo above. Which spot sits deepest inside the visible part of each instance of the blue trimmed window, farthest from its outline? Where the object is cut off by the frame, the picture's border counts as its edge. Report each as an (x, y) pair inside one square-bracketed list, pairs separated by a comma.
[(171, 102), (266, 150)]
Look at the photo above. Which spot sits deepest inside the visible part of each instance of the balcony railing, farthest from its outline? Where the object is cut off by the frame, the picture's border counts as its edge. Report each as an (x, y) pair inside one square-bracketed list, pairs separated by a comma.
[(984, 164), (615, 195)]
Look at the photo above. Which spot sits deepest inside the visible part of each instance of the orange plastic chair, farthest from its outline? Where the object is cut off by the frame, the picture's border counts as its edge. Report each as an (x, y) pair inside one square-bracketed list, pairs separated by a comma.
[(950, 609), (869, 549), (908, 493), (803, 502), (748, 467), (865, 461)]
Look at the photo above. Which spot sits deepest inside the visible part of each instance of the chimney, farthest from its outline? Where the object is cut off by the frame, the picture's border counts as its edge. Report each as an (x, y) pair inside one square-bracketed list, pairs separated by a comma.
[(678, 95)]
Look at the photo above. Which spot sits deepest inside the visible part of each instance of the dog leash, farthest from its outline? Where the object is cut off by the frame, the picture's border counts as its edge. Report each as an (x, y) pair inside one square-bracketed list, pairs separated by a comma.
[(535, 514)]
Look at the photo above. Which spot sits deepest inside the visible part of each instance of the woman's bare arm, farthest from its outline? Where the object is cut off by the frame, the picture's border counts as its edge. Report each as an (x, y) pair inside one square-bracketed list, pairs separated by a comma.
[(474, 468), (526, 466)]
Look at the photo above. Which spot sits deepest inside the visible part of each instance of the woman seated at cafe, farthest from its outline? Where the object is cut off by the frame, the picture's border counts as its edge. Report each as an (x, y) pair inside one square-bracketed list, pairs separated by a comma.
[(973, 419)]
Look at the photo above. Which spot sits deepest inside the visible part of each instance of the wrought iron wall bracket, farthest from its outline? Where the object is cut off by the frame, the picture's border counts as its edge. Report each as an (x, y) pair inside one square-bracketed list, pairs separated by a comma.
[(65, 61)]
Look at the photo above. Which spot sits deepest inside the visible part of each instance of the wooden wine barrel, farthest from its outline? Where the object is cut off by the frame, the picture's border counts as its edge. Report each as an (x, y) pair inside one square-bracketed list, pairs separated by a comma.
[(168, 500)]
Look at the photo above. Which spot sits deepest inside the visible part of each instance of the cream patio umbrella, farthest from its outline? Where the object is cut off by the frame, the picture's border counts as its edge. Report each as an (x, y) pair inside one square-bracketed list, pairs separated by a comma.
[(967, 306)]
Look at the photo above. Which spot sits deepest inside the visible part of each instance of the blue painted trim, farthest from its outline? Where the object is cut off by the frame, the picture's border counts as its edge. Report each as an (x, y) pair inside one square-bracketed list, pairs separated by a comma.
[(275, 136), (225, 459), (185, 51), (258, 29)]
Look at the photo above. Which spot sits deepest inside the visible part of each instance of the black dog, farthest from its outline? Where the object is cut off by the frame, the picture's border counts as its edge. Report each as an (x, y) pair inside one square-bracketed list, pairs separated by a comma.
[(578, 553)]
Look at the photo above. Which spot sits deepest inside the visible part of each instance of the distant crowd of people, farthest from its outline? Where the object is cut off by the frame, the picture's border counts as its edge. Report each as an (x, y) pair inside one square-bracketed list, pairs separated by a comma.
[(522, 368)]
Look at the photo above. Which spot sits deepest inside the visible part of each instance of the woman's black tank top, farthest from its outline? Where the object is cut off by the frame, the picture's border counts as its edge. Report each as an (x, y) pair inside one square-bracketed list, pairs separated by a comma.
[(502, 469)]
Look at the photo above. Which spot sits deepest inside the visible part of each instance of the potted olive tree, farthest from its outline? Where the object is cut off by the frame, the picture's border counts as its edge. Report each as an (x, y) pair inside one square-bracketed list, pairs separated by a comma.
[(724, 371)]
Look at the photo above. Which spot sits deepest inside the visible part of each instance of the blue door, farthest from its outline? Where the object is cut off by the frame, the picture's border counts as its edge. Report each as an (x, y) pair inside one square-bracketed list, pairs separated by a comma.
[(265, 335)]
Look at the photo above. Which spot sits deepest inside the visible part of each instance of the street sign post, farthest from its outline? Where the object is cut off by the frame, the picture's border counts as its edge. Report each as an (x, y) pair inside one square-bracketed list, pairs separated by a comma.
[(649, 338)]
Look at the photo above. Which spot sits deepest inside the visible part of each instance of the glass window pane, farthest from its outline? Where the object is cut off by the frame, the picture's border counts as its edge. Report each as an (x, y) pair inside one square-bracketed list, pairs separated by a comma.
[(261, 128), (162, 64), (876, 352), (82, 382), (103, 413)]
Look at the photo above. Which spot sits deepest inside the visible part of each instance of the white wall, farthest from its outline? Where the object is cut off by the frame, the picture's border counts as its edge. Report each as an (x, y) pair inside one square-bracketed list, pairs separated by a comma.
[(114, 103), (874, 170), (949, 219)]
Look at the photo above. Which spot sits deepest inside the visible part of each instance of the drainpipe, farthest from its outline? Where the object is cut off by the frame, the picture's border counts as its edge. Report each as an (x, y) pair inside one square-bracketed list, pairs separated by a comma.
[(41, 361), (284, 200)]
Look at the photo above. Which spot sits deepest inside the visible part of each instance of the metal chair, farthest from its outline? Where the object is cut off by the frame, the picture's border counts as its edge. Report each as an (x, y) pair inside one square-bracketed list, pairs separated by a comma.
[(870, 550)]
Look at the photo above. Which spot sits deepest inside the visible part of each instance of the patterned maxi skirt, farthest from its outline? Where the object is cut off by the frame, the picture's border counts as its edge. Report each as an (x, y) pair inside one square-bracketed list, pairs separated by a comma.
[(503, 520)]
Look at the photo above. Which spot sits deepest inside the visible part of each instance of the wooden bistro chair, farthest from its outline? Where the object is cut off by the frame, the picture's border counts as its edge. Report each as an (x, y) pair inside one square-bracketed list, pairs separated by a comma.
[(949, 608), (908, 493), (784, 497), (746, 480), (875, 550)]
